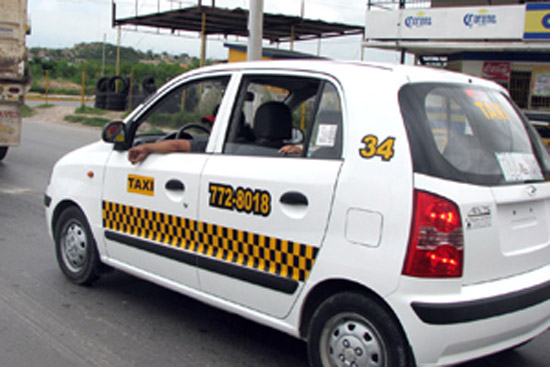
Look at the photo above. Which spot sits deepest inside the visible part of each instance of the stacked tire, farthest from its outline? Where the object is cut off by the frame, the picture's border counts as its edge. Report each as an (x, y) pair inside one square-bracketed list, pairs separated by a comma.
[(101, 92), (117, 99), (141, 92), (109, 97)]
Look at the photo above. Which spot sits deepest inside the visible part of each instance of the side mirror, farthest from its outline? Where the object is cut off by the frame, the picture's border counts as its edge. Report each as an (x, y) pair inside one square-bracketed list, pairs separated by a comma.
[(115, 132)]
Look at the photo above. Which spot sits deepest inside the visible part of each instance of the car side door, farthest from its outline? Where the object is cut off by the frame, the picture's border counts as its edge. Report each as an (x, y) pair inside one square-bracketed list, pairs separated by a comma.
[(266, 213), (150, 208)]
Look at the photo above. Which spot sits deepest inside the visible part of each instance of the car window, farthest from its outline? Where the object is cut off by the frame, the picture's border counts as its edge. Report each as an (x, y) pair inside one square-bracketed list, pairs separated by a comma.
[(326, 137), (273, 112), (187, 112), (470, 134)]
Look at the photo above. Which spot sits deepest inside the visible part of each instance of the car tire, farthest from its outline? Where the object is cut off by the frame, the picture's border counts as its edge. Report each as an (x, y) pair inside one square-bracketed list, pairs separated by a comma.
[(3, 152), (351, 329), (75, 248)]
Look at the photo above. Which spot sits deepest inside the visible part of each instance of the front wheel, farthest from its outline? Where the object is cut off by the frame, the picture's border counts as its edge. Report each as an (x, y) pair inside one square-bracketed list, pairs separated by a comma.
[(352, 330), (3, 152), (75, 248)]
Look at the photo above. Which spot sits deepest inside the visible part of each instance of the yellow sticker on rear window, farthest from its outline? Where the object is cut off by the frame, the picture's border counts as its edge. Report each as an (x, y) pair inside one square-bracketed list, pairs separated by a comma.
[(141, 185)]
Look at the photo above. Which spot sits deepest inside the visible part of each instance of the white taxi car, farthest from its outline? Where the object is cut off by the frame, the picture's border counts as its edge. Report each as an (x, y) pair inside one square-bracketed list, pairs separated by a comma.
[(410, 227)]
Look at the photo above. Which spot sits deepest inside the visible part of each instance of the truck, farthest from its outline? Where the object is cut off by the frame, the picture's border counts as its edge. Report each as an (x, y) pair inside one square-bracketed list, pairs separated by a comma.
[(14, 71)]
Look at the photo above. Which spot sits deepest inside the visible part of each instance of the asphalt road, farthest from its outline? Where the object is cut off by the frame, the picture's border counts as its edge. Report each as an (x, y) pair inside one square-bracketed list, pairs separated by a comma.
[(120, 321)]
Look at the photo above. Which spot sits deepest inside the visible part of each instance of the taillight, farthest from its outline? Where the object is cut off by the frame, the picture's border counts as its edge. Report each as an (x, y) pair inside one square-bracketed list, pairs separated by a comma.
[(436, 243)]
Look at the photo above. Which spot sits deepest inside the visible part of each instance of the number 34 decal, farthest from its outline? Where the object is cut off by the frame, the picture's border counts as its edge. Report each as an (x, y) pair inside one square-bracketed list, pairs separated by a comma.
[(374, 148)]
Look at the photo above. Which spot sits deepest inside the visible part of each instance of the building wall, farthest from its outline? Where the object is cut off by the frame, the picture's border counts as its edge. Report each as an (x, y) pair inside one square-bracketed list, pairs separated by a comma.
[(450, 3), (238, 56)]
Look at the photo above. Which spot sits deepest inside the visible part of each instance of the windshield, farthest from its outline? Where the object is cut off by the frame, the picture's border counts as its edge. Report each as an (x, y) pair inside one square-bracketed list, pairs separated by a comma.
[(470, 134)]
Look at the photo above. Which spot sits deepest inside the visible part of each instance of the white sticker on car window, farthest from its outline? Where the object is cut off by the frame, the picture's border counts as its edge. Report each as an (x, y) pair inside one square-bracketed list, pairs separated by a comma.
[(326, 135), (519, 166)]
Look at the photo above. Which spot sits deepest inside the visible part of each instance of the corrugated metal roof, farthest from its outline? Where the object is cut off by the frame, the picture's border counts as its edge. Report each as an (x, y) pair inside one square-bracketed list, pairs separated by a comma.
[(220, 21)]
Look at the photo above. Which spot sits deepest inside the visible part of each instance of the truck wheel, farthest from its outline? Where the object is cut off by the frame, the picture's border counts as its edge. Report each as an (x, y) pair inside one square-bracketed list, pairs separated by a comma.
[(350, 329), (75, 248), (3, 152)]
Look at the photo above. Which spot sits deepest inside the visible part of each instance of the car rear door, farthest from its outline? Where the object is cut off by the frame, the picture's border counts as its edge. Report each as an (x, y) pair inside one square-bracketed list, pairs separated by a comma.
[(265, 214)]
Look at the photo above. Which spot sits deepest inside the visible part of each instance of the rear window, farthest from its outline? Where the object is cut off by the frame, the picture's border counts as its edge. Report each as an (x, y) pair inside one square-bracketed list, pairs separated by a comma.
[(470, 134)]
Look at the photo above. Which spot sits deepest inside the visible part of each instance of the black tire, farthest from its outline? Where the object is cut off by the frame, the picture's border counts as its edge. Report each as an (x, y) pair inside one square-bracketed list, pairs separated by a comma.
[(101, 93), (350, 329), (100, 99), (116, 101), (101, 84), (124, 87), (75, 248), (3, 152), (148, 84)]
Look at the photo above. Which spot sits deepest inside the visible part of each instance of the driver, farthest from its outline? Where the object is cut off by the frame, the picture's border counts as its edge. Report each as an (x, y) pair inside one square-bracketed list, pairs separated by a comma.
[(139, 153)]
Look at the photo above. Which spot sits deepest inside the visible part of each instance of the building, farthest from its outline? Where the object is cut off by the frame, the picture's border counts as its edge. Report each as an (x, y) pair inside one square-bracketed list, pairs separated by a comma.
[(503, 40)]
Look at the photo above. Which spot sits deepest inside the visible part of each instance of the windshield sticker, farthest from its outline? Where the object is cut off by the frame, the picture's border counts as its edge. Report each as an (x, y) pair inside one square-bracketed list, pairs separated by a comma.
[(492, 111), (479, 217), (372, 148), (519, 166), (141, 185), (326, 135)]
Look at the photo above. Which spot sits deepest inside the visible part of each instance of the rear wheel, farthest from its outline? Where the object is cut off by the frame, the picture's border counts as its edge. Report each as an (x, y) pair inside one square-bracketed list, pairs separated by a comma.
[(351, 330), (75, 248), (3, 152)]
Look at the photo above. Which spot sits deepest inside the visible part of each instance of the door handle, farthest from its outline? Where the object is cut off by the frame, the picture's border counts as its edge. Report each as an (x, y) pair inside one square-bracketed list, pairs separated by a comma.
[(294, 198), (175, 185)]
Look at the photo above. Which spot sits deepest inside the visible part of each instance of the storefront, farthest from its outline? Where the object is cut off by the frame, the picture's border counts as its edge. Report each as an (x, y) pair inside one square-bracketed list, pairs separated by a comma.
[(509, 44)]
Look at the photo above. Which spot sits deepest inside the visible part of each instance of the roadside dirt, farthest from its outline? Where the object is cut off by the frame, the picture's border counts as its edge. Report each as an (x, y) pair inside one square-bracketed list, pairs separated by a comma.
[(57, 113)]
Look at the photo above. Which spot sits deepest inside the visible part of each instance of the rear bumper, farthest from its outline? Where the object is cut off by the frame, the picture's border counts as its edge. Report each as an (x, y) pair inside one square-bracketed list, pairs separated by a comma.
[(460, 312), (447, 323)]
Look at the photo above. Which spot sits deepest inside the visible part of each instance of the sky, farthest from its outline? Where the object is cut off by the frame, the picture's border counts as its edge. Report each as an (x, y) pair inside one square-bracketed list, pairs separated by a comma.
[(63, 23)]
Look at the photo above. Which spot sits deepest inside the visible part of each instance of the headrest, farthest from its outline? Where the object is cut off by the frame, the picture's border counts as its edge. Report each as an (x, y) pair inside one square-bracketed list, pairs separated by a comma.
[(273, 121)]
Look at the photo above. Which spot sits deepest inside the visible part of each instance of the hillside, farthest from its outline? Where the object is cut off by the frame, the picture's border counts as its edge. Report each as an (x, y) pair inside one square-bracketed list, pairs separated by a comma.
[(94, 52), (66, 66)]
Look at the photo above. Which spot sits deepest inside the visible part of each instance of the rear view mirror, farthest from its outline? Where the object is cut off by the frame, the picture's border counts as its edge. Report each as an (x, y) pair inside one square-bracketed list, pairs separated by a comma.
[(115, 132)]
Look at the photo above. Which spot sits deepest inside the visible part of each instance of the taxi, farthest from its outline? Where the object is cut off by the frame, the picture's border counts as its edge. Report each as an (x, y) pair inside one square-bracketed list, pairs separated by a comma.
[(407, 225)]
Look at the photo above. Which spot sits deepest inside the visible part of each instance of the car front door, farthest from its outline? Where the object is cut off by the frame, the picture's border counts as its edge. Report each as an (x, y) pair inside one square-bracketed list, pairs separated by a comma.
[(264, 213), (150, 208)]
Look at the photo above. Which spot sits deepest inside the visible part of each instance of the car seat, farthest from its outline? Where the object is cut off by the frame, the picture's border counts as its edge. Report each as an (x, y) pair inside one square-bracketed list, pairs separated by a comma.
[(272, 124)]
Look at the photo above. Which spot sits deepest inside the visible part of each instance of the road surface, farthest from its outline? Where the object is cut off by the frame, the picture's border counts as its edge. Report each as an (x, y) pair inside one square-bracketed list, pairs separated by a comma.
[(121, 321)]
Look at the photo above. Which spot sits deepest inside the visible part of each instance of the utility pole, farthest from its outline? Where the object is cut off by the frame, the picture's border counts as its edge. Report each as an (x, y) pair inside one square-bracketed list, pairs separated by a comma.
[(255, 29)]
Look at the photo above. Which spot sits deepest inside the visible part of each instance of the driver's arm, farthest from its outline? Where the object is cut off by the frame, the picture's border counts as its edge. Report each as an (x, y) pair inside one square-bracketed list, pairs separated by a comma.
[(140, 152)]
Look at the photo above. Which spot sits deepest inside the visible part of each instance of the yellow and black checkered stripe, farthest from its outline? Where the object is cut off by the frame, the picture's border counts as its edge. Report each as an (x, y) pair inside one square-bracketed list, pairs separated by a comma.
[(211, 246)]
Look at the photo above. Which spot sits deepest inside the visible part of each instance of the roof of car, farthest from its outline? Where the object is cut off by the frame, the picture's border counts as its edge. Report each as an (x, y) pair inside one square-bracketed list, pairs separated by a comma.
[(339, 68)]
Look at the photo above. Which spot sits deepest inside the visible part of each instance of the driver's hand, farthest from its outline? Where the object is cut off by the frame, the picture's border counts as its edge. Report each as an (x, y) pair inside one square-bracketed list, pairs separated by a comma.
[(290, 149), (138, 154)]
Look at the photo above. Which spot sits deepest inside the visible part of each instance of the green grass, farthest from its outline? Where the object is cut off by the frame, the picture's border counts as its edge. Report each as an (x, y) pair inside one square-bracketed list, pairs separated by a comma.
[(89, 110), (85, 120), (27, 111), (49, 105)]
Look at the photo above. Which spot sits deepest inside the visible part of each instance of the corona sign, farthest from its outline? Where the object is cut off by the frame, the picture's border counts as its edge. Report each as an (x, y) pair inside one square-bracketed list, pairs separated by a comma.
[(537, 21)]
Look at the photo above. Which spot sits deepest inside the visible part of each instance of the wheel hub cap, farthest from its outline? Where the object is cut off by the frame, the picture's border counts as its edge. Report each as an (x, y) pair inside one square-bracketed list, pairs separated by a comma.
[(75, 247), (353, 344)]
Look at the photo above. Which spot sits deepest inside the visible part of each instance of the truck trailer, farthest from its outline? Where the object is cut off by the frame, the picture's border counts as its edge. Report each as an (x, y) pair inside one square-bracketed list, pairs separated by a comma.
[(14, 73)]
